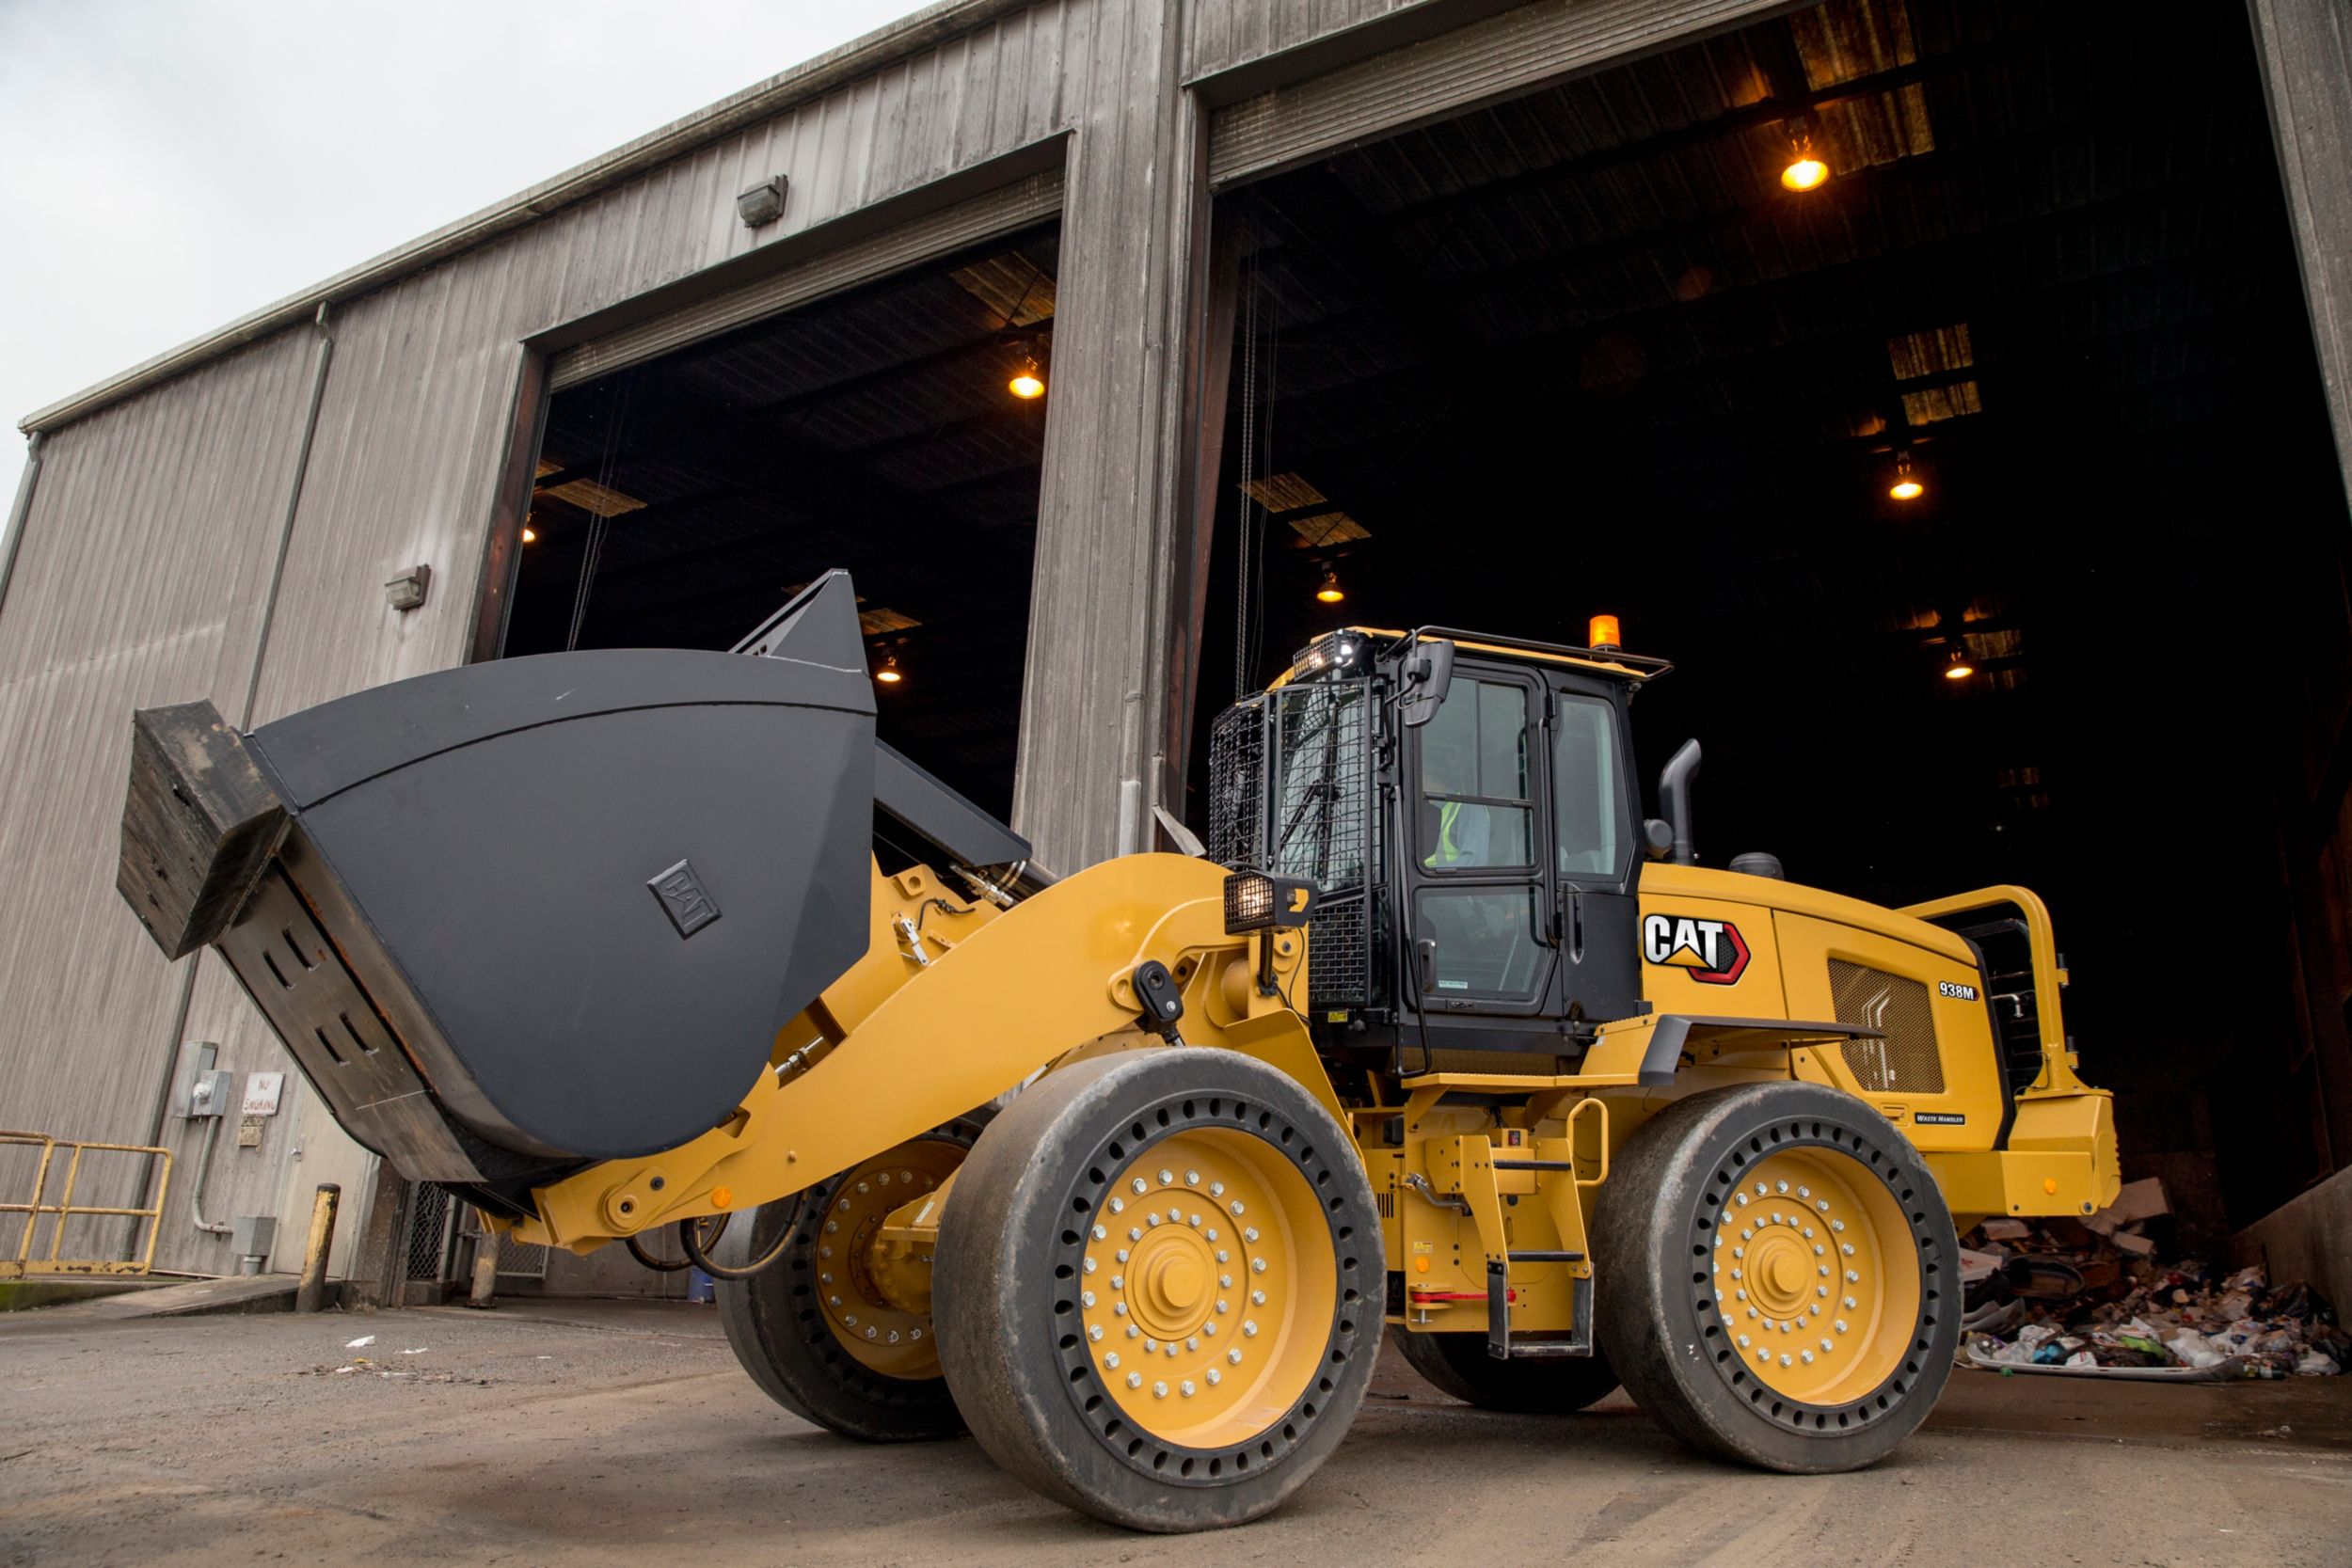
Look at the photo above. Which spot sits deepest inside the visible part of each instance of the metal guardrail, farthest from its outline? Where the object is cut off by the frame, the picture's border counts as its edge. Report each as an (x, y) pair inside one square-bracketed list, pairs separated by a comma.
[(22, 1262)]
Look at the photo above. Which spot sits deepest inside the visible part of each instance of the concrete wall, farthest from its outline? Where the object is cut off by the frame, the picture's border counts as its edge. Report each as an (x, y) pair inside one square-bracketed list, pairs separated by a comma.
[(2308, 1239)]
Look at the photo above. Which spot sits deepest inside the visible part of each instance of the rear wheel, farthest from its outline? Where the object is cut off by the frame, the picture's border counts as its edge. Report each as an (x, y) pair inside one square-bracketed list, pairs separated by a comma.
[(1152, 1287), (1781, 1284), (1457, 1363), (818, 1330)]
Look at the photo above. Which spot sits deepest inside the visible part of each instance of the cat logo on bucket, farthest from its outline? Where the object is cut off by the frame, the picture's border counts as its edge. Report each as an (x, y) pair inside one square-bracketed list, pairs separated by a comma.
[(1711, 950)]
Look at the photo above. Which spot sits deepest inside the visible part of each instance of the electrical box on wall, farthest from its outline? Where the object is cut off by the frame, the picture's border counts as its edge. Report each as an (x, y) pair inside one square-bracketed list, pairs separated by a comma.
[(211, 1094)]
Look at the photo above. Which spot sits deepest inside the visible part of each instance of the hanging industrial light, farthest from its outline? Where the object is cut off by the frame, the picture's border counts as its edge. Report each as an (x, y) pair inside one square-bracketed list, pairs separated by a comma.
[(1906, 486), (888, 675), (1805, 171), (1330, 591), (1028, 382), (531, 535), (1956, 667)]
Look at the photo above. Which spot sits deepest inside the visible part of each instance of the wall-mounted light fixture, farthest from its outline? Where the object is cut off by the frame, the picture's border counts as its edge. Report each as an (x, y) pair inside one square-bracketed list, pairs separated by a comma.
[(407, 591), (762, 204)]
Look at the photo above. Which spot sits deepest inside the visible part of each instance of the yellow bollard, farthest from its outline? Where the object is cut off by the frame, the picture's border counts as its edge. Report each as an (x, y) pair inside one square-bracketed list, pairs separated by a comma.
[(486, 1268), (311, 1293)]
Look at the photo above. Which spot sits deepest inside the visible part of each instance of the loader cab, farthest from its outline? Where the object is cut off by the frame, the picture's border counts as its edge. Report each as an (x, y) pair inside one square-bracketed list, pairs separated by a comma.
[(1466, 808)]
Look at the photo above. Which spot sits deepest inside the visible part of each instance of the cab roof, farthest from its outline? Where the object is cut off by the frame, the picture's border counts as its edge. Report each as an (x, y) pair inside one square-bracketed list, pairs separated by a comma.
[(1611, 664)]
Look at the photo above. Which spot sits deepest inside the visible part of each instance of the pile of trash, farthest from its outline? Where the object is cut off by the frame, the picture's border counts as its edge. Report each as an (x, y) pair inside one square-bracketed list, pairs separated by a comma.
[(2090, 1296)]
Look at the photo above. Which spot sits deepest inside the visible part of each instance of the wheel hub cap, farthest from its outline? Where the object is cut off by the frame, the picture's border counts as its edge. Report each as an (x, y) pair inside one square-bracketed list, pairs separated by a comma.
[(1816, 1276), (1208, 1288)]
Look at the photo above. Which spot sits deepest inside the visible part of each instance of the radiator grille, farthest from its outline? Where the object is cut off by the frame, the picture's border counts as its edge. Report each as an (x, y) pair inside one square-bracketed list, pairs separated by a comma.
[(1906, 1061)]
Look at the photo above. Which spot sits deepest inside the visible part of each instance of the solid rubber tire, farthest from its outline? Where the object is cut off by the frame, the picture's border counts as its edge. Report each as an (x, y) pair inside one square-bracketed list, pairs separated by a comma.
[(776, 1327), (1457, 1363), (1009, 1222), (1650, 1319)]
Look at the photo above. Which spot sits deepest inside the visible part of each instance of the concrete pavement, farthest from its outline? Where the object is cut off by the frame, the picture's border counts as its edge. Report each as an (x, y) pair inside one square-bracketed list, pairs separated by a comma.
[(618, 1433)]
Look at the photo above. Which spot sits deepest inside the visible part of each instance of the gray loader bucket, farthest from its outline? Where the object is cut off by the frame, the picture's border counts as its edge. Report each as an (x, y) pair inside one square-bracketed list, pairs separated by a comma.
[(521, 915)]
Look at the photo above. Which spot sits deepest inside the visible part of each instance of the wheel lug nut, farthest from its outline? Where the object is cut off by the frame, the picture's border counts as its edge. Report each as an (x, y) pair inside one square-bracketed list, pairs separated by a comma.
[(1094, 1332), (1186, 1388), (1159, 1390), (1249, 1233), (1257, 1265), (1234, 1356), (1192, 1178), (1090, 1265), (1217, 1189), (1167, 1176), (1139, 1186), (1256, 1298), (1192, 1342), (1135, 1380), (1101, 1234), (1249, 1329), (1111, 1360), (1215, 1377)]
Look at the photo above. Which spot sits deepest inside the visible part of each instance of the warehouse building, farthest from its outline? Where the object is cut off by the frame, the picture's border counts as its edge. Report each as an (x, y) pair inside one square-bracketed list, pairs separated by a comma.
[(1960, 394)]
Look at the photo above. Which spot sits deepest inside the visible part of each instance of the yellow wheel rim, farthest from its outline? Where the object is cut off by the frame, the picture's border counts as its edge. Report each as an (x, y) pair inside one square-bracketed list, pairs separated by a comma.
[(892, 1341), (1816, 1276), (1208, 1289)]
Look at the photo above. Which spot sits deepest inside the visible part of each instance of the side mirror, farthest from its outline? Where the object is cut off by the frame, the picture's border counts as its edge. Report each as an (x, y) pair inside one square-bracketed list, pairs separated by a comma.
[(1658, 839), (1428, 671)]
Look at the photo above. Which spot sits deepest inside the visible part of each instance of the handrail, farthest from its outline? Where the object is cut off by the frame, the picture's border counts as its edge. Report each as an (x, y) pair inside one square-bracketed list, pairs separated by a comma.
[(2042, 940), (65, 1207)]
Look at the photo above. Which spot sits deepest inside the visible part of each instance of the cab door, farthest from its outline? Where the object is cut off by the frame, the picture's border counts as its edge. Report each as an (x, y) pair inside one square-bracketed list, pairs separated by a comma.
[(1595, 862), (1476, 874)]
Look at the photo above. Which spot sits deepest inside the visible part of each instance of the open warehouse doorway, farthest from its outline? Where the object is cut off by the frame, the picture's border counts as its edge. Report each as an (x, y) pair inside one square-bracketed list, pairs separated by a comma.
[(897, 431), (1977, 478)]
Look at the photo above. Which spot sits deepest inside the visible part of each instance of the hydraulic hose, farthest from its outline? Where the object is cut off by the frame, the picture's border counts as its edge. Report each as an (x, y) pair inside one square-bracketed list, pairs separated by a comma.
[(690, 1242), (659, 1266)]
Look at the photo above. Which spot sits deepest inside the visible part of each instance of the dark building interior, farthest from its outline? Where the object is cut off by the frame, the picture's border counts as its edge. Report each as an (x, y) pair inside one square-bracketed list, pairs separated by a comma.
[(1586, 350), (680, 502)]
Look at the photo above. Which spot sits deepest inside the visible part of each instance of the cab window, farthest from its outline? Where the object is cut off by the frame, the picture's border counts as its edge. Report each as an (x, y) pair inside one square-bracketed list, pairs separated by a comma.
[(1588, 789), (1477, 811)]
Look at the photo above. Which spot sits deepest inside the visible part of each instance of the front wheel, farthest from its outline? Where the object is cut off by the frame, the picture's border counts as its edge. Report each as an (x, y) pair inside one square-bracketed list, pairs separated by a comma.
[(1158, 1288), (817, 1330), (1781, 1283)]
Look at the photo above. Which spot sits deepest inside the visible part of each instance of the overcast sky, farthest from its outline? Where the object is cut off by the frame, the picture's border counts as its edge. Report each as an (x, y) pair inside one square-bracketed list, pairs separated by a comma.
[(167, 166)]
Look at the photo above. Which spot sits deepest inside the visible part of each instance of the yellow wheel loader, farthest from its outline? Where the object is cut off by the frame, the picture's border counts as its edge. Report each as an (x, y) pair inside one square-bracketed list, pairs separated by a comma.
[(1128, 1172)]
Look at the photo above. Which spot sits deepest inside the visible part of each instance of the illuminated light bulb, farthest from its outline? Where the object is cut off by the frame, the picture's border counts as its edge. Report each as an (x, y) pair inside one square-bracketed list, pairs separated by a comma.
[(1959, 669), (1331, 592), (530, 534), (1804, 173), (1028, 382), (888, 675), (1906, 486)]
